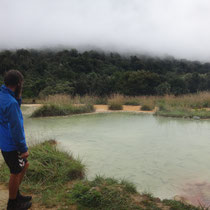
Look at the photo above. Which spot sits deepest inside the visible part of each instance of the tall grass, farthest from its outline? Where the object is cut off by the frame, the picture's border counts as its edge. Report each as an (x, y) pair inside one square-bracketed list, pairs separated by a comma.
[(169, 105), (58, 99), (115, 102), (63, 99), (197, 100), (104, 193)]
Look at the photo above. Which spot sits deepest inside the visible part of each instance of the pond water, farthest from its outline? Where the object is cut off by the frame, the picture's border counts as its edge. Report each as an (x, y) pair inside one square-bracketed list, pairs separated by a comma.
[(164, 156)]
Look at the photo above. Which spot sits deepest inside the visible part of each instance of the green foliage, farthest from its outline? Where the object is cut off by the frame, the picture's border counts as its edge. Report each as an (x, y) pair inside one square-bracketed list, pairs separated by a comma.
[(132, 102), (115, 106), (50, 170), (102, 194), (163, 89), (59, 88), (176, 205), (86, 196), (61, 110), (150, 205), (100, 100), (185, 113), (128, 186), (147, 107), (96, 73)]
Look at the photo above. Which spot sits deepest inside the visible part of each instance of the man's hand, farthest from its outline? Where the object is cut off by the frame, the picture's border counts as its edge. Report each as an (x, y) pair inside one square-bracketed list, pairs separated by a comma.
[(25, 154)]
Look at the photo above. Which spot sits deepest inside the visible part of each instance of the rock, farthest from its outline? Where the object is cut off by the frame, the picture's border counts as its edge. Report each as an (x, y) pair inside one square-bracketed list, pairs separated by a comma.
[(196, 118)]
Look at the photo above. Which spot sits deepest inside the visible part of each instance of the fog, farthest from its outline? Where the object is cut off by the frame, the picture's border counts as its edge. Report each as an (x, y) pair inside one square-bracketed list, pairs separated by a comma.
[(180, 28)]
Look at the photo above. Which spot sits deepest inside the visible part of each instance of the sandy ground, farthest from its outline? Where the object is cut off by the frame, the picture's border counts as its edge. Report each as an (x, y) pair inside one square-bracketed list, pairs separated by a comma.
[(126, 108), (98, 109), (32, 105), (4, 199), (104, 108)]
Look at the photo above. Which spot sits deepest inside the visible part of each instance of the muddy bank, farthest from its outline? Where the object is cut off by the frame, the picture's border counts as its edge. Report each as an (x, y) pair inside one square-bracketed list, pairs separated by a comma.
[(197, 193)]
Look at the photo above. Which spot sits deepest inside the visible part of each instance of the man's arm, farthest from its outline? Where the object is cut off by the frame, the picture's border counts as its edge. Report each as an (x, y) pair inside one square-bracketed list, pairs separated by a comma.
[(17, 131)]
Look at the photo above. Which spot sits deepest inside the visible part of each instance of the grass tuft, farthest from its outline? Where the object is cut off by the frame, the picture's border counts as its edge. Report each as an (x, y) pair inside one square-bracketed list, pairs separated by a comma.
[(102, 194), (115, 106), (147, 108), (58, 110), (128, 186), (176, 205)]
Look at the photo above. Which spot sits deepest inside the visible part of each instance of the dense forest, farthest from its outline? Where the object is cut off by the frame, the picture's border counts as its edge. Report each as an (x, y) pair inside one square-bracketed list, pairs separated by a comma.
[(98, 73)]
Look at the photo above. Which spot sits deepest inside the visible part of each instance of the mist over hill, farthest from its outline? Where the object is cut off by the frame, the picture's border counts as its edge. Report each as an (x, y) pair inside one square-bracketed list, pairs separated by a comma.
[(178, 28)]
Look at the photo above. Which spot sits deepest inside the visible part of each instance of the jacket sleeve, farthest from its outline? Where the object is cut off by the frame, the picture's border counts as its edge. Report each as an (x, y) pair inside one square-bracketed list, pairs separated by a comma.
[(15, 120)]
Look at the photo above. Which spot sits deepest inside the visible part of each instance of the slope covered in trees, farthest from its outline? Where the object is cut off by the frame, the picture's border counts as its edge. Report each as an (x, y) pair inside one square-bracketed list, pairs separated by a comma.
[(97, 73)]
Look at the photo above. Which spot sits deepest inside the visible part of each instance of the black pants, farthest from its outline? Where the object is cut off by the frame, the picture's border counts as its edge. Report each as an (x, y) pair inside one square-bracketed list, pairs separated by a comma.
[(14, 161)]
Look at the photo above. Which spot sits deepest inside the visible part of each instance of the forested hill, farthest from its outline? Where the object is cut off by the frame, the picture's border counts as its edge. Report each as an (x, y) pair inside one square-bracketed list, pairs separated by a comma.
[(97, 73)]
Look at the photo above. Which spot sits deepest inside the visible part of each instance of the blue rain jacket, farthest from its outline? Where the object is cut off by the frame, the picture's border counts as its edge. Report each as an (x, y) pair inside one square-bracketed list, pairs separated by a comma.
[(12, 135)]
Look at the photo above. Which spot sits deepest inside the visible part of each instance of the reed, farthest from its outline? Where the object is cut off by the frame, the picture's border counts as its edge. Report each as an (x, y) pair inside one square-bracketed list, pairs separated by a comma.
[(115, 102)]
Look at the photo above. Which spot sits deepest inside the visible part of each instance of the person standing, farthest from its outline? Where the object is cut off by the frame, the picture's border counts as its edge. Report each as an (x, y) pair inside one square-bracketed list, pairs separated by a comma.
[(12, 138)]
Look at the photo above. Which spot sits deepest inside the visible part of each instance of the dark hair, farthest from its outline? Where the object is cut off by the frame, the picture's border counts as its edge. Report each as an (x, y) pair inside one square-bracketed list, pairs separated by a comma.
[(13, 78)]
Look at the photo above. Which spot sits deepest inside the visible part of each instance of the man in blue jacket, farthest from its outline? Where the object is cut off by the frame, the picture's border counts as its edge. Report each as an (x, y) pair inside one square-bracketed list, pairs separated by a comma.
[(12, 138)]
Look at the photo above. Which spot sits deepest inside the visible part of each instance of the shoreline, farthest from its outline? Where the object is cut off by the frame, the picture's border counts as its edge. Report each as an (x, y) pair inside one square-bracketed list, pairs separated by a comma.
[(203, 114), (141, 199)]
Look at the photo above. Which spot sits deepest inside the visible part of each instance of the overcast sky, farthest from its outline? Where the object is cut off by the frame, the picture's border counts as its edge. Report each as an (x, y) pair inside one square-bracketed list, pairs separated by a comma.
[(180, 28)]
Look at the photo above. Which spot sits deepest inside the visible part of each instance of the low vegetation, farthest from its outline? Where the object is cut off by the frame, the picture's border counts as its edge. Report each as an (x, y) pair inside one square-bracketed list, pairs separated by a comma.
[(57, 179), (147, 108), (49, 173), (61, 110), (115, 106), (189, 106)]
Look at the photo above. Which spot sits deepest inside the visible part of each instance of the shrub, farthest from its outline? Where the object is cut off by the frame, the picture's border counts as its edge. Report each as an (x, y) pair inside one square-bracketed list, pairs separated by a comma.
[(115, 106), (56, 110), (147, 108)]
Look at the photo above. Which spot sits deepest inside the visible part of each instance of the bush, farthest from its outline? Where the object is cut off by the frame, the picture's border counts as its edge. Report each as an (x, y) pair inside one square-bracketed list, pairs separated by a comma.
[(62, 110), (147, 108), (115, 106)]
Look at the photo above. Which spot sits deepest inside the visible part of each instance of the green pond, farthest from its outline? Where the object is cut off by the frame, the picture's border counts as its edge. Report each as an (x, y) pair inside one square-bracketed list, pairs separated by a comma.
[(164, 156)]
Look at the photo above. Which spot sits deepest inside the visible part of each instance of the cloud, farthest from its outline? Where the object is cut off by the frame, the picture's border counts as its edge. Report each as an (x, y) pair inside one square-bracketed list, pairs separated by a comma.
[(174, 27)]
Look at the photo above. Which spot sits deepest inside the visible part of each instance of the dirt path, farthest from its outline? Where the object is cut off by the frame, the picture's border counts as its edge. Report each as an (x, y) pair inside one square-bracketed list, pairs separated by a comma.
[(4, 199)]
